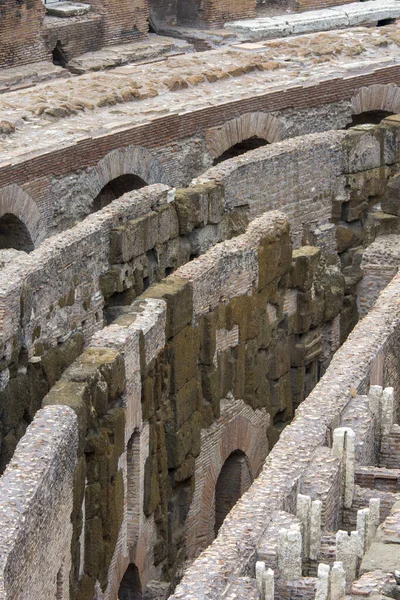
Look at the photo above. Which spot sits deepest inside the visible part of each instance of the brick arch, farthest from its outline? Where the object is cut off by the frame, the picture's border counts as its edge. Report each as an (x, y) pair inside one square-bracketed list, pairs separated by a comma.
[(238, 428), (126, 161), (13, 200), (377, 97), (257, 124)]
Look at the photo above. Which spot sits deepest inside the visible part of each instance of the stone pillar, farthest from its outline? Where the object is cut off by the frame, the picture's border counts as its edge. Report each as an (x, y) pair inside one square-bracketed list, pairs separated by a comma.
[(344, 448), (315, 528), (373, 520), (381, 404), (265, 581), (322, 582), (347, 549), (289, 553), (303, 514), (362, 529), (309, 513), (338, 582), (374, 397), (387, 410)]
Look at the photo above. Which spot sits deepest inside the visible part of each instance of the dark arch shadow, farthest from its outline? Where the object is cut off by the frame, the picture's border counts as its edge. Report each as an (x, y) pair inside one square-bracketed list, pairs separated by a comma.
[(14, 234), (116, 188), (241, 148), (369, 117), (130, 587), (234, 479)]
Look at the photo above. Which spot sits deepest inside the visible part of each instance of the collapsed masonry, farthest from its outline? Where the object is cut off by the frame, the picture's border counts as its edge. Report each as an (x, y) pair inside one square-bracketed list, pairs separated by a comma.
[(195, 376)]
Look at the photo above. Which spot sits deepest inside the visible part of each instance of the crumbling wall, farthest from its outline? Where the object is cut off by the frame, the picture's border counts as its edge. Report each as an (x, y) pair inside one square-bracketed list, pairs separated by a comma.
[(363, 359), (141, 408), (36, 496)]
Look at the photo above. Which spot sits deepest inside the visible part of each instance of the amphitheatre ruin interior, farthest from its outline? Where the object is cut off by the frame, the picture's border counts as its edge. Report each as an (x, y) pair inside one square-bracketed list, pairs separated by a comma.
[(199, 300)]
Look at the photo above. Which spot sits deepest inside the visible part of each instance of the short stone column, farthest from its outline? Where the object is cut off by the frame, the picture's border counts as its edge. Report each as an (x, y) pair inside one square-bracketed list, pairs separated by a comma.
[(373, 520), (265, 581), (344, 448), (338, 582), (309, 513), (347, 552), (322, 582), (289, 553)]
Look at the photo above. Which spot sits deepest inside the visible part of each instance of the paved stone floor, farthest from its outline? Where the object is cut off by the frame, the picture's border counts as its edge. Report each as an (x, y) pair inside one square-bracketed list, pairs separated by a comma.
[(58, 113)]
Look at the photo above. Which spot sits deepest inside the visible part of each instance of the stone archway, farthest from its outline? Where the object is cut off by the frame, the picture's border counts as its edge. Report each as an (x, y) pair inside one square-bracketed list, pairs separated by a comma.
[(239, 428), (116, 188), (378, 98), (130, 587), (20, 219), (135, 161), (250, 125), (234, 480), (73, 196)]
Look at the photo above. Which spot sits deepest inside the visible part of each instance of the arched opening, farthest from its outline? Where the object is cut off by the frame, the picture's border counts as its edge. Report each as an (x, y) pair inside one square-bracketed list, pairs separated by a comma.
[(14, 234), (241, 148), (234, 480), (59, 57), (384, 22), (117, 188), (369, 117), (130, 587)]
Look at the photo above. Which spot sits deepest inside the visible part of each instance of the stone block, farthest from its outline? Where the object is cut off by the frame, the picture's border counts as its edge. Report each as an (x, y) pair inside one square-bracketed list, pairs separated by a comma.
[(111, 365), (391, 198), (168, 223), (184, 352), (134, 238), (178, 295), (362, 149), (192, 207), (348, 235), (185, 402), (304, 263)]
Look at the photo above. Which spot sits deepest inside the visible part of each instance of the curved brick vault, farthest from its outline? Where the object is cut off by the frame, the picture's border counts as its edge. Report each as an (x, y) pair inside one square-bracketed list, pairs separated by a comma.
[(257, 124), (377, 97), (13, 200), (126, 161), (238, 428)]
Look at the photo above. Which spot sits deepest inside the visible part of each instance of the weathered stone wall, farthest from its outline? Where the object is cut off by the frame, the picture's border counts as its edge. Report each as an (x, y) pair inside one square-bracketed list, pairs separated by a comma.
[(36, 496), (141, 406), (175, 149), (364, 359), (102, 262)]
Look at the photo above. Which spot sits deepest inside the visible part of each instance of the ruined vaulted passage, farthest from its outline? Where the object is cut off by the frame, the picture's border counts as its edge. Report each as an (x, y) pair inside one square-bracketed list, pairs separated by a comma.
[(234, 479), (130, 587), (116, 188), (14, 234), (241, 148), (369, 117)]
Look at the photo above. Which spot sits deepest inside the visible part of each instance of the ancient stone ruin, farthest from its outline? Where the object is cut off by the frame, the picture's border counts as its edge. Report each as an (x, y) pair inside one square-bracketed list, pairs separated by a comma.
[(200, 300)]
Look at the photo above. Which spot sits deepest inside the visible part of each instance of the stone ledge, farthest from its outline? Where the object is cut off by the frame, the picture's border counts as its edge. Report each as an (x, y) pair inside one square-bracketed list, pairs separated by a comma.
[(67, 9)]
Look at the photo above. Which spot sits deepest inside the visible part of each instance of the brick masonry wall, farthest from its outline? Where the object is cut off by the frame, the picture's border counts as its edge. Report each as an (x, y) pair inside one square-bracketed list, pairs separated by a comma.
[(79, 290), (161, 132), (38, 482), (76, 35), (20, 32), (349, 370), (124, 20), (133, 372)]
